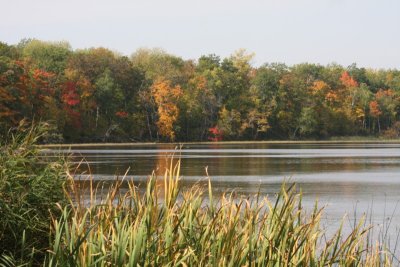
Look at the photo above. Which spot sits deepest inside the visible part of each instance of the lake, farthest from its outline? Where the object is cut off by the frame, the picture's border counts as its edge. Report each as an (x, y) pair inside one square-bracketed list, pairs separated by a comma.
[(350, 178)]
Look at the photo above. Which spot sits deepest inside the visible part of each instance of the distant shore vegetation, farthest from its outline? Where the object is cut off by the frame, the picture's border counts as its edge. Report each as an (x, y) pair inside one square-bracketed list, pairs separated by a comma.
[(98, 95)]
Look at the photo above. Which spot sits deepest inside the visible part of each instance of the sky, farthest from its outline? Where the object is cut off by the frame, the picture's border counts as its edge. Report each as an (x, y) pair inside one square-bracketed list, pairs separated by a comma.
[(366, 32)]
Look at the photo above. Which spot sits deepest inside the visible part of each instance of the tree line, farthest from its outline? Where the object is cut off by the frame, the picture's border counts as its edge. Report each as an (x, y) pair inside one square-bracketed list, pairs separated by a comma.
[(99, 95)]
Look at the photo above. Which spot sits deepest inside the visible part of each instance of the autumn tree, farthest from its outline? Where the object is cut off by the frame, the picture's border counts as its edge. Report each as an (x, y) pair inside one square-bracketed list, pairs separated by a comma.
[(166, 97), (375, 112), (26, 93), (10, 104)]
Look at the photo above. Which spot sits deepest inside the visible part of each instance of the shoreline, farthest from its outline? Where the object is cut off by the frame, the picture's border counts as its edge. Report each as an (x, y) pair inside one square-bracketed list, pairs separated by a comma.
[(349, 141)]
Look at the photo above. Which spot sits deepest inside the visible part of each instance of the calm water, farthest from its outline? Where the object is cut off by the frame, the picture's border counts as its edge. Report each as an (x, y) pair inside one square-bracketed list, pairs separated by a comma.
[(346, 178)]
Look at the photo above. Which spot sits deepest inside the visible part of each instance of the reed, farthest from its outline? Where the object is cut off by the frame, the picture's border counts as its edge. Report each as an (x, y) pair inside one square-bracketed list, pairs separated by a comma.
[(29, 189), (165, 225)]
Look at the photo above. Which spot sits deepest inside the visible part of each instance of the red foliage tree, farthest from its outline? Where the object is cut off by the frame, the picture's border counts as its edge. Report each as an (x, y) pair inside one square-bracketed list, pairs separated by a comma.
[(215, 134), (121, 114), (70, 96), (71, 99)]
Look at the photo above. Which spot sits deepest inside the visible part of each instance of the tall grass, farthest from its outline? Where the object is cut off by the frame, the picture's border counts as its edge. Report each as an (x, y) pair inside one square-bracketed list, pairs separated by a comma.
[(166, 226), (29, 189)]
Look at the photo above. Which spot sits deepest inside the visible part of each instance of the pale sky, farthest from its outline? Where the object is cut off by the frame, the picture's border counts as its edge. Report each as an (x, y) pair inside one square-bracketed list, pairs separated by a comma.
[(291, 31)]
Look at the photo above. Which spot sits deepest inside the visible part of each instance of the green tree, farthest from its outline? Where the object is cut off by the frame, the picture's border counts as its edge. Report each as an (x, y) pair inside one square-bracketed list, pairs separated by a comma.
[(48, 56), (109, 97)]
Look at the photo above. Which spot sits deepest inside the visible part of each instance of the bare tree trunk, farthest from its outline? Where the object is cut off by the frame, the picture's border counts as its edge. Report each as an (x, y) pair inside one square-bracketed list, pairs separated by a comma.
[(148, 125), (255, 135), (97, 115), (379, 126), (203, 130), (295, 132), (109, 131)]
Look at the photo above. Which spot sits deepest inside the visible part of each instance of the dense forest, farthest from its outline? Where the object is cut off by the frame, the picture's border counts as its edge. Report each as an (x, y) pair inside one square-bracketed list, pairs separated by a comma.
[(99, 95)]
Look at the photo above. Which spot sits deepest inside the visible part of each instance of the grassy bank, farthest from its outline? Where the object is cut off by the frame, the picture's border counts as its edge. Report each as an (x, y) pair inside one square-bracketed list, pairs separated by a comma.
[(161, 225)]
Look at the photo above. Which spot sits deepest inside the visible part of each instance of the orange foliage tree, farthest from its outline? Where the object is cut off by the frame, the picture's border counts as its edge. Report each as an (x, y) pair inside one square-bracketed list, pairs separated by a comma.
[(166, 97), (374, 109), (347, 80)]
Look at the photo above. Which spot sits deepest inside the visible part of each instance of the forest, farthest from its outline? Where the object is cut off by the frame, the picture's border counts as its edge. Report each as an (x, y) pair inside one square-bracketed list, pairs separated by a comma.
[(100, 95)]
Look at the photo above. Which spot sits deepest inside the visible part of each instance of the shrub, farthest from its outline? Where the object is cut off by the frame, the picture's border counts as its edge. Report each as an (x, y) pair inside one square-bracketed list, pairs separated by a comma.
[(393, 132)]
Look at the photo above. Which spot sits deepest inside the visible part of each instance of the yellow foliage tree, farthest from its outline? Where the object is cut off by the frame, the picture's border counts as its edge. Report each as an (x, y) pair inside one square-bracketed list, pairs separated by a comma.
[(166, 97)]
